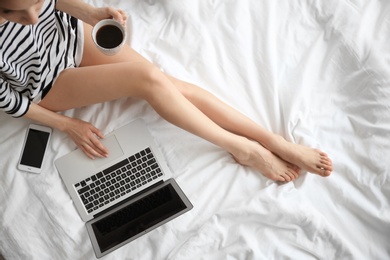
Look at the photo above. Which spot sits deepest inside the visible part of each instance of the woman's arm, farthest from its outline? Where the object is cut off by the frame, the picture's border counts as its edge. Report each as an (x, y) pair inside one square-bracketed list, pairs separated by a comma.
[(85, 135), (88, 13)]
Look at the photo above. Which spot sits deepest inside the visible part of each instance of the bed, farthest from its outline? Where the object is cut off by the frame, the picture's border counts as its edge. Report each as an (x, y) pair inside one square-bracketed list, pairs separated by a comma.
[(316, 72)]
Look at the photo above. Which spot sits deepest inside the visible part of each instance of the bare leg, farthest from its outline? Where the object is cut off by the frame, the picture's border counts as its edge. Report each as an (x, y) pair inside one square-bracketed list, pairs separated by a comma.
[(97, 83), (312, 160), (306, 158)]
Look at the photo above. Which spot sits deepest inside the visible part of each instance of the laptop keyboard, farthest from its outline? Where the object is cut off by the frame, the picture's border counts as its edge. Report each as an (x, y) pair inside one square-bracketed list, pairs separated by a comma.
[(118, 180)]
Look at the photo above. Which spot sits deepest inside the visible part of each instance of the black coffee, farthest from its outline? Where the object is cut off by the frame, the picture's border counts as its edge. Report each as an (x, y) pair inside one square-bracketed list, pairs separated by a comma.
[(109, 36)]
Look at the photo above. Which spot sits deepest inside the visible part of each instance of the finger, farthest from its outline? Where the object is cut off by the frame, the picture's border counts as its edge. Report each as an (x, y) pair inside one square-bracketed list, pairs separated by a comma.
[(98, 133), (85, 149), (124, 17), (99, 148), (92, 151), (96, 144), (115, 14)]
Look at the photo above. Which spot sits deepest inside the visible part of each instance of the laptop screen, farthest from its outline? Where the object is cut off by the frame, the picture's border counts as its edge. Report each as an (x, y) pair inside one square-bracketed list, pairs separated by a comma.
[(138, 216)]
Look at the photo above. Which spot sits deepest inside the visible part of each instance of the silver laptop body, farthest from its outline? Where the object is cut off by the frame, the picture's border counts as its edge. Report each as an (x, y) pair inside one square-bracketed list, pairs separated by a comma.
[(99, 188)]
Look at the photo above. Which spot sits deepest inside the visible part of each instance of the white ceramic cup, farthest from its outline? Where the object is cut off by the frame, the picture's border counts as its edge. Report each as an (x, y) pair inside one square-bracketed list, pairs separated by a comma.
[(104, 38)]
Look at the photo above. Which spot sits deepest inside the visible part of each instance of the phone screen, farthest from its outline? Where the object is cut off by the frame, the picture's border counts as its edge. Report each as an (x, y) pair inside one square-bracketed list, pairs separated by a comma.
[(34, 149)]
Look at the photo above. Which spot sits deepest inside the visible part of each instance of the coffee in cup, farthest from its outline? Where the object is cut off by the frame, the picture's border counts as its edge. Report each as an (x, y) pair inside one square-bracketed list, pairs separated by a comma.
[(109, 36)]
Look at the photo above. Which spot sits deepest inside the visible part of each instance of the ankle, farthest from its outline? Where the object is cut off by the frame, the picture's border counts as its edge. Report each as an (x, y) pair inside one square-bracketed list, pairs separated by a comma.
[(275, 143), (240, 148)]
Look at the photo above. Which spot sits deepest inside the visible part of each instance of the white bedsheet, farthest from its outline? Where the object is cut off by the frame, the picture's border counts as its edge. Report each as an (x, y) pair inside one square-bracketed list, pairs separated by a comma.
[(315, 71)]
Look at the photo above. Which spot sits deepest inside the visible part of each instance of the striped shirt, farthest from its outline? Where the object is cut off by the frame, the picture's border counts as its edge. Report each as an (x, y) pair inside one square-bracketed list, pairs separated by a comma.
[(32, 57)]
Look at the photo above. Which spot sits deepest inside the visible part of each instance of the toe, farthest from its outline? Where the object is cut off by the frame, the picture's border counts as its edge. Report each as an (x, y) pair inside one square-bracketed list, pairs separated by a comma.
[(294, 174), (325, 161), (323, 171), (290, 175), (276, 177), (295, 169), (280, 179), (286, 177)]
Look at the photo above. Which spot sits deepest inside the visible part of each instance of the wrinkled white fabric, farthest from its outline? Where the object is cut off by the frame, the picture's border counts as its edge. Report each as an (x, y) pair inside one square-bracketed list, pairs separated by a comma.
[(314, 71)]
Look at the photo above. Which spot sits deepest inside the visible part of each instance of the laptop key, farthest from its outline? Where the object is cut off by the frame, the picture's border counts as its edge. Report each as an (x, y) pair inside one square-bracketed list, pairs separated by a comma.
[(154, 166), (151, 161), (89, 206), (82, 190)]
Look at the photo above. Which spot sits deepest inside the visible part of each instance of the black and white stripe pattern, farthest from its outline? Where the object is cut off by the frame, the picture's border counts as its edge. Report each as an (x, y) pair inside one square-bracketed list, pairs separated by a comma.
[(32, 56)]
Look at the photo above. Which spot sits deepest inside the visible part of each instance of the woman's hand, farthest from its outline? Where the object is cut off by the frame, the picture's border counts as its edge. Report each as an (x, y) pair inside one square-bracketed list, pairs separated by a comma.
[(107, 13), (90, 14), (86, 137)]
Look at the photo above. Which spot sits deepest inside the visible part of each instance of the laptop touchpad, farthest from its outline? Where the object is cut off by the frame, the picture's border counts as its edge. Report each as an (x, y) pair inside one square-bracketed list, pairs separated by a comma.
[(114, 151)]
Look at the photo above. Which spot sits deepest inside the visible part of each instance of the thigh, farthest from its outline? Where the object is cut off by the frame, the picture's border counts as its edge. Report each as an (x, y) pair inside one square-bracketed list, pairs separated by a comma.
[(92, 56), (89, 85), (99, 78)]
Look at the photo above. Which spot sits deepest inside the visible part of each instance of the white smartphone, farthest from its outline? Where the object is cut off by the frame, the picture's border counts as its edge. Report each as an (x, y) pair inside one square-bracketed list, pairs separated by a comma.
[(34, 148)]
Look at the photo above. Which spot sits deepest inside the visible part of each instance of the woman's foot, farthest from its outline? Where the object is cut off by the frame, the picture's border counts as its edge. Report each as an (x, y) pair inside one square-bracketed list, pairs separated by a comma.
[(256, 156), (308, 159)]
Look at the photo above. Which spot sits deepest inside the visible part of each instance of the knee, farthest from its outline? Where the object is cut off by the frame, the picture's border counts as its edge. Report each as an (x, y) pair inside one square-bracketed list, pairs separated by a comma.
[(155, 77), (186, 89), (155, 84)]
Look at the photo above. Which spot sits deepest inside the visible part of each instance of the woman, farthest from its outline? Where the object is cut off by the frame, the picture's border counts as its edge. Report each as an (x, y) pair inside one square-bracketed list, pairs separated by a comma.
[(50, 64)]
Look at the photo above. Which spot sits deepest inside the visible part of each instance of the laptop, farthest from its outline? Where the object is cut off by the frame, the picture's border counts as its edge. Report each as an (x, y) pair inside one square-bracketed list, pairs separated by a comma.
[(125, 195)]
